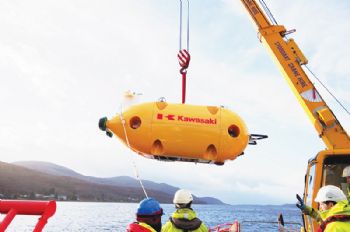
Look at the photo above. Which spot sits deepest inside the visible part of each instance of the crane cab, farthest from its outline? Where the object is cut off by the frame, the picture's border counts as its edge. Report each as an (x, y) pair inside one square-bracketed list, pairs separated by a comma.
[(325, 169)]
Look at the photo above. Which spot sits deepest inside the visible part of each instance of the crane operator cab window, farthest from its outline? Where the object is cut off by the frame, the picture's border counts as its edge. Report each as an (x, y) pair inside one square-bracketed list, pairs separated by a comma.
[(335, 171), (310, 181)]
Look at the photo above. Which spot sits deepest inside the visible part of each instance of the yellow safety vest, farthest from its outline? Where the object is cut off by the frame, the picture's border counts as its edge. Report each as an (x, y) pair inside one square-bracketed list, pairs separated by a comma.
[(185, 214), (341, 209)]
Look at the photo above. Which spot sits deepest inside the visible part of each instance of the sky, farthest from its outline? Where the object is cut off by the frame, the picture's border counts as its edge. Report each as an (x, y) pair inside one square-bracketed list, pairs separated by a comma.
[(65, 64)]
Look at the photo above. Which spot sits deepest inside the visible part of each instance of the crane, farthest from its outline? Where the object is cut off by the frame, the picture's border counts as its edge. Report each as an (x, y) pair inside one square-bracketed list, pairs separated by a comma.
[(326, 167)]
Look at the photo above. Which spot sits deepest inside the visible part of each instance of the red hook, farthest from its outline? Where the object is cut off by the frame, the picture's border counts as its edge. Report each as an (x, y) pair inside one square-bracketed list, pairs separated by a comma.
[(184, 61)]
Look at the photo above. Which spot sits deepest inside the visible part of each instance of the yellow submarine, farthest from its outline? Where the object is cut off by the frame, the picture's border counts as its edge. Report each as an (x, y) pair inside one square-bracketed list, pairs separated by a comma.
[(180, 132)]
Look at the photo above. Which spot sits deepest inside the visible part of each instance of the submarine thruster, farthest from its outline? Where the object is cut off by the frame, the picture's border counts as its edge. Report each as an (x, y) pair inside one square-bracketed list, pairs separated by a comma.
[(180, 132)]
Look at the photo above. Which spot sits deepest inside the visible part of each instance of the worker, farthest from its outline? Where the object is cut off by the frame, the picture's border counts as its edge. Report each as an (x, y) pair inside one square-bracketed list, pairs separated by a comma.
[(346, 175), (334, 209), (184, 218), (148, 217)]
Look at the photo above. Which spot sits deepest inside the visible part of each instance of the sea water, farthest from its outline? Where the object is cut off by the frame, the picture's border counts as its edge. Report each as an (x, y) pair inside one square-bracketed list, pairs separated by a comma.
[(94, 217)]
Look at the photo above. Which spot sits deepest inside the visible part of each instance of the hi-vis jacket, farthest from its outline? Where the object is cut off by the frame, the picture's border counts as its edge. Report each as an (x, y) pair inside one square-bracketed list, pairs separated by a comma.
[(184, 220), (336, 219)]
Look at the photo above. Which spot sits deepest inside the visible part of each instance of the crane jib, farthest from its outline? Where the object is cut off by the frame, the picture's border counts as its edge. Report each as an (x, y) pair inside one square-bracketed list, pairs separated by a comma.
[(290, 59)]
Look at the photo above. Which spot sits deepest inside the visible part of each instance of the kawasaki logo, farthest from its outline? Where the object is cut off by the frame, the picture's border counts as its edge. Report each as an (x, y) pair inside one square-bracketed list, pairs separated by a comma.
[(181, 118)]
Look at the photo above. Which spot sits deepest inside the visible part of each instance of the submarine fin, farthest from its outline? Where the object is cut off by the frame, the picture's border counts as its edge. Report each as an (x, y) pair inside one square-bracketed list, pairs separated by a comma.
[(254, 137)]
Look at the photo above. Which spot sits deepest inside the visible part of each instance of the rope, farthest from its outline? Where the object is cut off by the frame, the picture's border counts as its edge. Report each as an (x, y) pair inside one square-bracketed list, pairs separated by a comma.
[(271, 222), (180, 36), (133, 161), (183, 55), (268, 12), (335, 98), (188, 27)]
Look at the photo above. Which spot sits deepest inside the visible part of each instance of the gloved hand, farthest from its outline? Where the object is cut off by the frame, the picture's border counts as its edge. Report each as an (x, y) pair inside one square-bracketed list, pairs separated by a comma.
[(300, 204)]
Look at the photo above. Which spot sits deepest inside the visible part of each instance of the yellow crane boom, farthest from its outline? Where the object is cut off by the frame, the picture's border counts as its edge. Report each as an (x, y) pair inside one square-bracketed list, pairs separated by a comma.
[(328, 165), (290, 59)]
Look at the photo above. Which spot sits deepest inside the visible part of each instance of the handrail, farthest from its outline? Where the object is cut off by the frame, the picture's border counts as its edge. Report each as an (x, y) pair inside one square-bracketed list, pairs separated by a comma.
[(227, 227), (24, 207)]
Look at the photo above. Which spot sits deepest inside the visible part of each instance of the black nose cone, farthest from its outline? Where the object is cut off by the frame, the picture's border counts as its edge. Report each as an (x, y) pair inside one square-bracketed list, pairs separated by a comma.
[(102, 123)]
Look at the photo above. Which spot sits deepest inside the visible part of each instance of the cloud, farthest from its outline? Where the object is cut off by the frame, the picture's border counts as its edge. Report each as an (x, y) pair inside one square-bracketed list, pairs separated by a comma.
[(66, 64)]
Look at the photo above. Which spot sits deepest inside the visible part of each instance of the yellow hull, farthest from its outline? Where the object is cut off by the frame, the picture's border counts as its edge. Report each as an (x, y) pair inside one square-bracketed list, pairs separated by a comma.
[(180, 132)]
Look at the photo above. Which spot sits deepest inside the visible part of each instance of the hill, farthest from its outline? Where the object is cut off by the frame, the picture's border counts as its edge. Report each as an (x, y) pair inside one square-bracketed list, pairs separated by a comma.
[(30, 177), (18, 182), (120, 181)]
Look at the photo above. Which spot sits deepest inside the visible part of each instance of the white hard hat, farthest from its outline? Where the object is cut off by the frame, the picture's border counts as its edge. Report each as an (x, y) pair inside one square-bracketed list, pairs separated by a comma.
[(182, 196), (346, 171), (330, 193)]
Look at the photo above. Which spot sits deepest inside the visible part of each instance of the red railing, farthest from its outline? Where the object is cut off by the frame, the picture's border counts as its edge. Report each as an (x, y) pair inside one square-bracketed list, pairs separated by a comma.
[(227, 227), (16, 207)]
